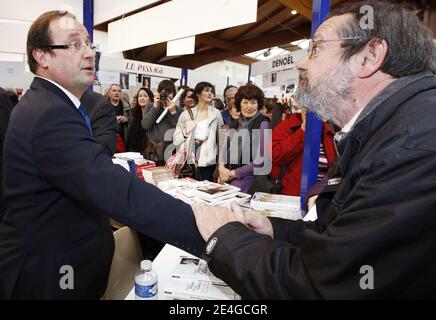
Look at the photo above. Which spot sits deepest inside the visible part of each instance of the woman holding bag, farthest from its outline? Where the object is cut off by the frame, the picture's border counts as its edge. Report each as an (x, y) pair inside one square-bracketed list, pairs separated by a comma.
[(201, 130), (240, 157)]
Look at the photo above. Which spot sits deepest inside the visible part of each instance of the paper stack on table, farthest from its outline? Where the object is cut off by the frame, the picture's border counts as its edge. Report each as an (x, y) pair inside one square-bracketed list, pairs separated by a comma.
[(276, 205), (157, 174), (192, 279), (133, 162)]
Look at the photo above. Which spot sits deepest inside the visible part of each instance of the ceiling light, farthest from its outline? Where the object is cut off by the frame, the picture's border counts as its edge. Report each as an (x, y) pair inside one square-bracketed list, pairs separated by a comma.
[(294, 12)]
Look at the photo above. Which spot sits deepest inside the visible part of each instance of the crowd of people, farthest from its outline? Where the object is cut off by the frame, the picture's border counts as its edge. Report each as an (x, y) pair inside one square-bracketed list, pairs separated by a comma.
[(210, 128), (374, 203)]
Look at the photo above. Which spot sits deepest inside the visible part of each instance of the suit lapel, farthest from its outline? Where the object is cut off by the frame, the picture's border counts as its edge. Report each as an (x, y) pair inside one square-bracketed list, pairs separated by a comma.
[(41, 83)]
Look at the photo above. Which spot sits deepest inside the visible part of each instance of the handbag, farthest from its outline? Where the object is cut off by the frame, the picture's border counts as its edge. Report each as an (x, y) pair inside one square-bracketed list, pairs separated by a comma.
[(154, 151), (184, 156), (267, 183)]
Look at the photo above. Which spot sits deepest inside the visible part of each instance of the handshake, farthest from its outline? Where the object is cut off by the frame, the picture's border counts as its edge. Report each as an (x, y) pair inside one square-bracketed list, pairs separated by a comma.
[(211, 218)]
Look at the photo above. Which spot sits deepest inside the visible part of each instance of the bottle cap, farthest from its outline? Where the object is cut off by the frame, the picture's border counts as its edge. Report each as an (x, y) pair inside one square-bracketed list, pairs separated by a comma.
[(146, 265)]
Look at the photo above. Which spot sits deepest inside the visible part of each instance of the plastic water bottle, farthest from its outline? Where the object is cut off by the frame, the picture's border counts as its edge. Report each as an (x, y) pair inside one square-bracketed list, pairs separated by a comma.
[(146, 282)]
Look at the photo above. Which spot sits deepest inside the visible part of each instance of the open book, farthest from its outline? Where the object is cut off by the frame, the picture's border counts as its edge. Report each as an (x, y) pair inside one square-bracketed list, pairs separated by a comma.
[(212, 191)]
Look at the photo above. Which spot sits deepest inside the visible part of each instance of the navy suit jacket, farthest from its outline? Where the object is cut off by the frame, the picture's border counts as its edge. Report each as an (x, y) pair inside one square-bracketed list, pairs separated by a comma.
[(60, 187), (5, 111), (103, 120)]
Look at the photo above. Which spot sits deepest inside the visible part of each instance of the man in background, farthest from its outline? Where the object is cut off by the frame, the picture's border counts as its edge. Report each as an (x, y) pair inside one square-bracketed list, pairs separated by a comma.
[(114, 96), (103, 121), (5, 111)]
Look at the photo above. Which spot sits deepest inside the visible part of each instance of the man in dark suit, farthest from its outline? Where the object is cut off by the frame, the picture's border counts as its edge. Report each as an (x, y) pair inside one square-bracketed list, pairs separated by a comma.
[(103, 122), (60, 187), (5, 111)]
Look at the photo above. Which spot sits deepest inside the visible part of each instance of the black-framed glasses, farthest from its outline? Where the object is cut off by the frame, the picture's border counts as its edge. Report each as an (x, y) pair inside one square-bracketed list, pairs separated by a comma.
[(313, 44), (74, 46)]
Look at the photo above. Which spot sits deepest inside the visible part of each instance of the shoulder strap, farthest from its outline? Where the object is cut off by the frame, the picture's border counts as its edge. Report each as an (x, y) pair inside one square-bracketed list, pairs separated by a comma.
[(190, 113), (282, 174)]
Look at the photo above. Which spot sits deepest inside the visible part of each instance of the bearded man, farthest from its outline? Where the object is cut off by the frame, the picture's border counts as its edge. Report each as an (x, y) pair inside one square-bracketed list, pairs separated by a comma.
[(374, 236)]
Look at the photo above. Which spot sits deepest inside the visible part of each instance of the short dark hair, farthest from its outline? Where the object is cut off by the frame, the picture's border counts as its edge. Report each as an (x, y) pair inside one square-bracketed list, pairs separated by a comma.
[(149, 93), (200, 87), (167, 86), (249, 91), (410, 44), (270, 103), (40, 35), (13, 97), (219, 104)]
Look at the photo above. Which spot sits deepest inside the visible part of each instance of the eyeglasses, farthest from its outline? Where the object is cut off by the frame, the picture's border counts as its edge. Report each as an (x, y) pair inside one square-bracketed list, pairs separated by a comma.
[(74, 46), (313, 44)]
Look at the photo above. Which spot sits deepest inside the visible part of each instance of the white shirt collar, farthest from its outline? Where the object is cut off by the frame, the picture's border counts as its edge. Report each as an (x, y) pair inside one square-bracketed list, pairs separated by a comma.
[(72, 97), (350, 123), (347, 128)]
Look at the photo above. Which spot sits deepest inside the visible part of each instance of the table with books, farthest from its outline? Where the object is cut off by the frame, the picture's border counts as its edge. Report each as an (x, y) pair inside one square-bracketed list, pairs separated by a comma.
[(181, 275)]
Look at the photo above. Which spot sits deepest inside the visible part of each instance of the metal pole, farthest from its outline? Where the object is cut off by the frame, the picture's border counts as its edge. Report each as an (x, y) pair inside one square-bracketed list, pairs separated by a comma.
[(184, 77), (88, 22), (88, 17), (312, 136)]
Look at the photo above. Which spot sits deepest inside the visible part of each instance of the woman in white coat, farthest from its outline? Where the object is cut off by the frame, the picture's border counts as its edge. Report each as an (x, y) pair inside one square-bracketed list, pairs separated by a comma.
[(200, 130)]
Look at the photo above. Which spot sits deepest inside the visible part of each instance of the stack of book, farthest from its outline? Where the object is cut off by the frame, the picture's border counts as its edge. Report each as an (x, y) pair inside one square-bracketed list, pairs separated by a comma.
[(156, 175), (215, 193), (133, 162), (276, 205)]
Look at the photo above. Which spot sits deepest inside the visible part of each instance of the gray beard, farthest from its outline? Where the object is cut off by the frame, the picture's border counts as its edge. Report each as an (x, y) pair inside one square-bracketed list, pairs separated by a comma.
[(327, 97)]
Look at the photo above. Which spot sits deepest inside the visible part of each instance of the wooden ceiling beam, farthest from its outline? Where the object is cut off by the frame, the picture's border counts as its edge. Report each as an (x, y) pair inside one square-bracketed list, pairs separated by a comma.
[(271, 22), (430, 17), (152, 53), (210, 41), (243, 60), (303, 7)]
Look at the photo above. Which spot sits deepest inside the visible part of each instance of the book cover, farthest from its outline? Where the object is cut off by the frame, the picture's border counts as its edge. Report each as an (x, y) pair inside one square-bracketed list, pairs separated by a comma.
[(215, 190), (280, 202)]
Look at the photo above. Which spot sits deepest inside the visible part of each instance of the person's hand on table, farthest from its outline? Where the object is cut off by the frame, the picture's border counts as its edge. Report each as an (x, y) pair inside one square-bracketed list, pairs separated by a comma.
[(311, 201), (211, 218), (223, 173), (258, 223)]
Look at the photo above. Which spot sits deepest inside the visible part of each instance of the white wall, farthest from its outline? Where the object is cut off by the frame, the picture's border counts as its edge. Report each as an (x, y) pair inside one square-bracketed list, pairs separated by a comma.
[(16, 17), (29, 10), (217, 73), (13, 75), (100, 38)]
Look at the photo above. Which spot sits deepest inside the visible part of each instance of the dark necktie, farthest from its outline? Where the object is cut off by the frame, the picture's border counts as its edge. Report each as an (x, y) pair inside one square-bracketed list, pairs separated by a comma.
[(85, 117)]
